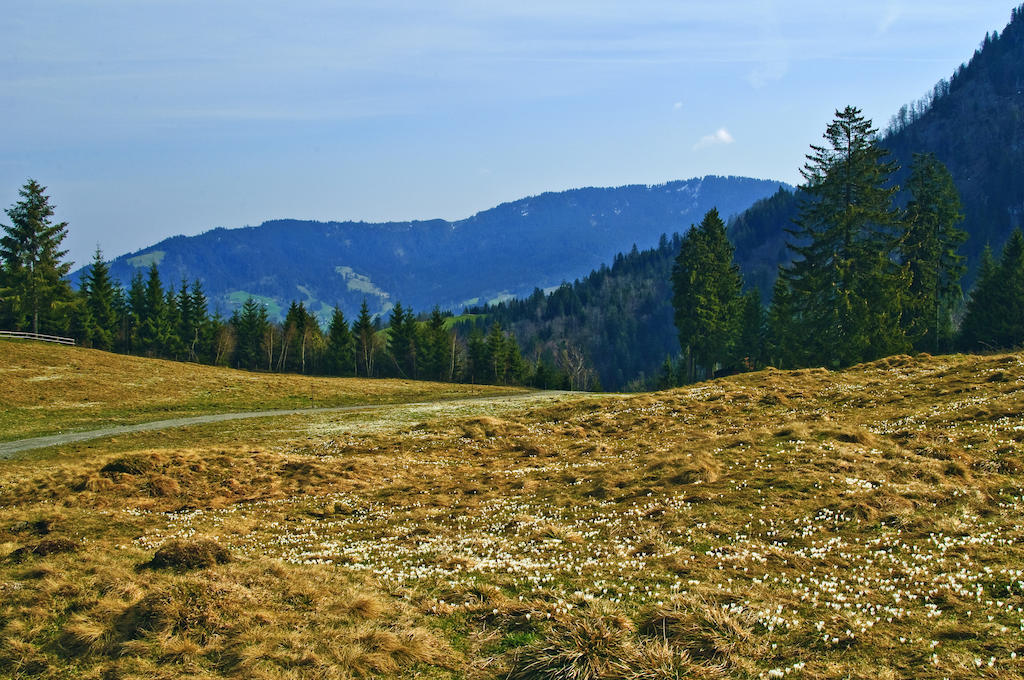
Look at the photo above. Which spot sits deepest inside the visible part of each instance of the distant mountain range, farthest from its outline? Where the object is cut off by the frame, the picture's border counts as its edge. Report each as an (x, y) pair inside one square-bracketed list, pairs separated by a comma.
[(508, 251)]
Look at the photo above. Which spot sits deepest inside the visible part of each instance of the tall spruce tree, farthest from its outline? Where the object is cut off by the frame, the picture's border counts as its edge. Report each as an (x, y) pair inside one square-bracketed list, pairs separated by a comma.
[(498, 356), (706, 286), (402, 341), (845, 292), (750, 342), (33, 293), (188, 322), (435, 348), (100, 298), (249, 324), (153, 320), (80, 324), (930, 247), (783, 340), (479, 366), (200, 342), (136, 312), (995, 313), (340, 345), (171, 344)]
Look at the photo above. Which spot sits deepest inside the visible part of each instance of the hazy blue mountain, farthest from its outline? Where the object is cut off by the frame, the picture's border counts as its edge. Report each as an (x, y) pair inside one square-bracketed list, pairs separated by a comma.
[(507, 251)]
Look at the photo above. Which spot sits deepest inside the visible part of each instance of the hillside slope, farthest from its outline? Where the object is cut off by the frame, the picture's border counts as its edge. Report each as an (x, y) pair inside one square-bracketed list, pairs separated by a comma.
[(46, 389), (620, 317), (506, 251), (974, 123), (808, 524)]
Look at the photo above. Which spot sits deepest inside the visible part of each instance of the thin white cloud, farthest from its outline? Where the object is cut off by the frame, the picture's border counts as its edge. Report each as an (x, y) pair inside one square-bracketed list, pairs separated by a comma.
[(677, 106), (767, 72), (892, 15), (720, 136)]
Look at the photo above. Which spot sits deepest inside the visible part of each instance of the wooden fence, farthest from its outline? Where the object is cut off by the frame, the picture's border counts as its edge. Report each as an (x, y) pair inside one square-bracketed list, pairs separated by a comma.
[(37, 336)]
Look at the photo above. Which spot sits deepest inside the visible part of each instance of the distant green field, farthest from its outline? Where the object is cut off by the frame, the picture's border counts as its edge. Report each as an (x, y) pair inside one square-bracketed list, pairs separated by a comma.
[(453, 321), (239, 297)]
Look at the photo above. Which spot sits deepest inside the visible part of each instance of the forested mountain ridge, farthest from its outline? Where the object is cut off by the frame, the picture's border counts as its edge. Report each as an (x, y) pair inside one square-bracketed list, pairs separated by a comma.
[(508, 250), (973, 123), (621, 318), (618, 318)]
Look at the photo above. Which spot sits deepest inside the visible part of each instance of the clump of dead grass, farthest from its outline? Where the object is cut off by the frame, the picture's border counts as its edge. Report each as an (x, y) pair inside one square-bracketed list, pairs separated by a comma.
[(129, 464), (190, 554), (706, 631), (44, 548), (591, 647), (486, 427)]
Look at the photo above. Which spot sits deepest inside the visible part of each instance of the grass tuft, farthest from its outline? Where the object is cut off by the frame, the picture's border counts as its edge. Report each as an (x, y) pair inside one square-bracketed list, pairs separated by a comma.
[(192, 554)]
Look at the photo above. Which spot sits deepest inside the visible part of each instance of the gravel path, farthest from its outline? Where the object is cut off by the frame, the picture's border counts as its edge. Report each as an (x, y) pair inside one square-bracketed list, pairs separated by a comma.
[(8, 449)]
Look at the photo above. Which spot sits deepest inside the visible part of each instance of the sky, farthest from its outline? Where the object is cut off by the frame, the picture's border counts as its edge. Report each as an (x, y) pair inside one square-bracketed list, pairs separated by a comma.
[(150, 118)]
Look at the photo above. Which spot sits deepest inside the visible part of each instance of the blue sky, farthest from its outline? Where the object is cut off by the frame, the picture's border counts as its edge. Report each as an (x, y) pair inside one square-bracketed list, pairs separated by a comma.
[(148, 118)]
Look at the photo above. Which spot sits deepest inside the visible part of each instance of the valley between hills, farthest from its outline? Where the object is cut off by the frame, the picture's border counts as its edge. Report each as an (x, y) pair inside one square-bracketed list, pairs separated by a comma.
[(809, 524)]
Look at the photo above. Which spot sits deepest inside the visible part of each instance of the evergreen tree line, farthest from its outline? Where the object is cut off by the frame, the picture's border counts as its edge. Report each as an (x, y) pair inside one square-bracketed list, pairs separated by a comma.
[(867, 279), (408, 346), (154, 320), (973, 122), (610, 329)]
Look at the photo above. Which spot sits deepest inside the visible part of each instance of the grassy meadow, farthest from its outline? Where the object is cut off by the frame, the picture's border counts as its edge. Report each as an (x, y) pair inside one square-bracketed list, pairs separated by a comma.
[(45, 389), (806, 524)]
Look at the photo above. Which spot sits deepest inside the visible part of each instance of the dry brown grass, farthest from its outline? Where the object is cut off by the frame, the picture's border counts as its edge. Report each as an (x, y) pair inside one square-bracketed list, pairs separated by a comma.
[(781, 524)]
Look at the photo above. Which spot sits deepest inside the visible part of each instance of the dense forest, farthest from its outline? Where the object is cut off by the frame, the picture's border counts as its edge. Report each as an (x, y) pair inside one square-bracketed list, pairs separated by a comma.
[(619, 318)]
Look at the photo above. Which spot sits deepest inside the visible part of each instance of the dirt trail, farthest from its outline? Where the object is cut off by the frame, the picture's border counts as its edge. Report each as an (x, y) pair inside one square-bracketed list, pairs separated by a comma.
[(8, 449)]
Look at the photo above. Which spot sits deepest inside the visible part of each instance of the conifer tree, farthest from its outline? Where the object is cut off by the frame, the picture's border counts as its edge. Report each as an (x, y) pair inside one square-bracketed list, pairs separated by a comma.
[(846, 293), (365, 342), (81, 325), (435, 348), (184, 316), (930, 248), (200, 342), (340, 346), (995, 313), (478, 364), (153, 327), (100, 297), (978, 316), (783, 340), (750, 345), (497, 356), (171, 344), (402, 341), (706, 286), (33, 293), (666, 378), (249, 324), (517, 369), (122, 310), (136, 312)]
